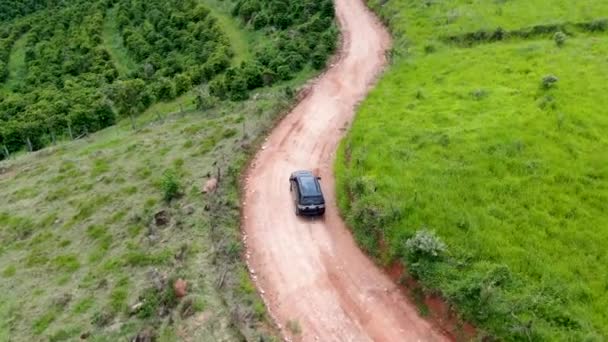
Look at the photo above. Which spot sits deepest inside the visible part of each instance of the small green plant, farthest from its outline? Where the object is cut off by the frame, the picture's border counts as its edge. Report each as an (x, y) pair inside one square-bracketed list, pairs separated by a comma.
[(289, 92), (549, 81), (560, 38), (153, 299), (118, 297), (84, 305), (199, 304), (425, 245), (43, 322), (67, 263), (418, 295), (170, 185), (101, 318), (479, 94), (9, 271)]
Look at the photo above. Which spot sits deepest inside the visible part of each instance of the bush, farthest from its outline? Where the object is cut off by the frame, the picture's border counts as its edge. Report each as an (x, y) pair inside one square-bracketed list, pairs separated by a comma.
[(549, 81), (182, 83), (170, 185), (599, 25), (217, 87), (560, 38), (204, 100), (425, 245), (319, 58), (164, 89), (154, 299)]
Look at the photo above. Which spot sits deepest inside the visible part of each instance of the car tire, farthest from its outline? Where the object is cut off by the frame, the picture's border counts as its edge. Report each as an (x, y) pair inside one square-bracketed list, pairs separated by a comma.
[(321, 212), (298, 212)]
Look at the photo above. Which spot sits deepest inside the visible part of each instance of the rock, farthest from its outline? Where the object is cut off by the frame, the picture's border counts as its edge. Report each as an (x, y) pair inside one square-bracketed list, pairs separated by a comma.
[(85, 335), (135, 308), (210, 186), (115, 327), (145, 335), (189, 209), (161, 218), (180, 287)]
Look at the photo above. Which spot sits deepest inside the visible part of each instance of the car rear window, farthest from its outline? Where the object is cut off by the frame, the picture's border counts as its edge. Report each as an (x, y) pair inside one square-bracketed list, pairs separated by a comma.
[(312, 200), (310, 187)]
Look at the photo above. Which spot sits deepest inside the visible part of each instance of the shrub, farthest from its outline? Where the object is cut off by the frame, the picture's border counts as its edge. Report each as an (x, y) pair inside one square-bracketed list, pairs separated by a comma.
[(154, 299), (238, 88), (479, 94), (217, 87), (182, 83), (560, 38), (425, 245), (164, 89), (598, 25), (319, 57), (204, 100), (549, 81), (170, 185)]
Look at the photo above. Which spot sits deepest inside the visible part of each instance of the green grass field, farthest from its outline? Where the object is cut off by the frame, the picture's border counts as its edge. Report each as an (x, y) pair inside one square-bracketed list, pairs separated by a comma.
[(421, 21), (510, 172)]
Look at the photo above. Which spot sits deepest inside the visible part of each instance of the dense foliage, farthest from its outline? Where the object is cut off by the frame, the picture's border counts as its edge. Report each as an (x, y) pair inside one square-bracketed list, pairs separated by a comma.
[(68, 82), (499, 149), (11, 9), (302, 33)]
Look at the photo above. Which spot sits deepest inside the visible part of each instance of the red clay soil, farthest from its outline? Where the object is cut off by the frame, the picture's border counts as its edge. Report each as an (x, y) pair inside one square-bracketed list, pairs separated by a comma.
[(439, 312), (310, 271)]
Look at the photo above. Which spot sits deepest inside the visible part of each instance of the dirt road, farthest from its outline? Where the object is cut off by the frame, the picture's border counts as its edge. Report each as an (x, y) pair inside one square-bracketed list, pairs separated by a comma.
[(311, 271)]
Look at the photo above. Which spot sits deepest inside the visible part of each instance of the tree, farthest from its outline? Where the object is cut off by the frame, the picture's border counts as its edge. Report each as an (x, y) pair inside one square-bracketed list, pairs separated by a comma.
[(130, 98)]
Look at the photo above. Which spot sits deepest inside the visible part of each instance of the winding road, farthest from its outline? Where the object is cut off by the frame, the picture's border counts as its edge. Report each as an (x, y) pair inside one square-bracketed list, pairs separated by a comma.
[(311, 271)]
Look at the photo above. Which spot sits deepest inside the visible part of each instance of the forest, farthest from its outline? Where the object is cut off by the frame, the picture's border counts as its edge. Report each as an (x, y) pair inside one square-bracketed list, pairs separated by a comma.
[(62, 81)]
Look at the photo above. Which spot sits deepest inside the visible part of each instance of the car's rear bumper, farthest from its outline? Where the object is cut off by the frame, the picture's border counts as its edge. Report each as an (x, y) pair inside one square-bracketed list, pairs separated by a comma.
[(311, 210)]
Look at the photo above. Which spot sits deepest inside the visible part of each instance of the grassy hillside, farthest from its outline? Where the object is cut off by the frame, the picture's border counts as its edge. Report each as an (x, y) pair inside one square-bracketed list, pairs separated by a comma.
[(81, 245), (484, 169), (427, 20), (95, 231)]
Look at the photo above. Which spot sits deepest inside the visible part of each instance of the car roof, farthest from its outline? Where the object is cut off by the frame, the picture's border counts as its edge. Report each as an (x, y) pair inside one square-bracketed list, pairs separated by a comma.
[(308, 183)]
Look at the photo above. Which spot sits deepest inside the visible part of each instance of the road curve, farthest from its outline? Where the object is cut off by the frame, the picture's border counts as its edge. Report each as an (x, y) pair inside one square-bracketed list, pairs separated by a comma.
[(311, 270)]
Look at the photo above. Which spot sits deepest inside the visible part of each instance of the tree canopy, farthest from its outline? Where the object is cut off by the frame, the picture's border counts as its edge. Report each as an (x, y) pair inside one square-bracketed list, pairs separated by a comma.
[(71, 81)]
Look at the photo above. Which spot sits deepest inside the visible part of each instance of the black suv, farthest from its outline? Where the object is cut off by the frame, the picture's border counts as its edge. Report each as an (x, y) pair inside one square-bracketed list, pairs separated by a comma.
[(306, 192)]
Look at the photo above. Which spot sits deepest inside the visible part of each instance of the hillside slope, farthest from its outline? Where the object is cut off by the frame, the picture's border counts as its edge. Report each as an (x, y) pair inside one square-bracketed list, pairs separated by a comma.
[(479, 161), (97, 228)]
